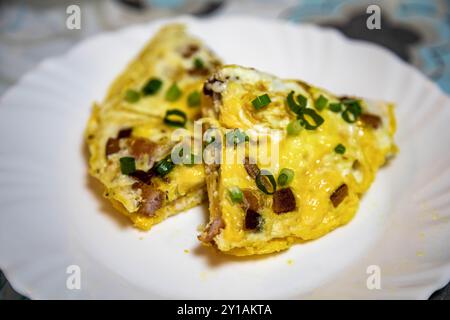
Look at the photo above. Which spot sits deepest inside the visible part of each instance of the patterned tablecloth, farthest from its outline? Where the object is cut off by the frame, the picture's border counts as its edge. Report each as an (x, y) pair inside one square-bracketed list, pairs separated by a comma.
[(418, 31)]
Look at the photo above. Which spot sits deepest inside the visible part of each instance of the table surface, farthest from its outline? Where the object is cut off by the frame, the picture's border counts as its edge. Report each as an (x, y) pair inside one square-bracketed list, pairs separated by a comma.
[(418, 31)]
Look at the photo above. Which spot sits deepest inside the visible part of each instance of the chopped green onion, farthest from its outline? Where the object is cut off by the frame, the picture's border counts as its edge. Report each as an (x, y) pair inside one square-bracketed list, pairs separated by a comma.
[(318, 120), (296, 108), (194, 99), (294, 127), (261, 101), (127, 165), (175, 113), (266, 182), (352, 112), (302, 101), (132, 96), (152, 86), (340, 149), (335, 107), (236, 194), (321, 103), (164, 166), (173, 93), (285, 177), (198, 63)]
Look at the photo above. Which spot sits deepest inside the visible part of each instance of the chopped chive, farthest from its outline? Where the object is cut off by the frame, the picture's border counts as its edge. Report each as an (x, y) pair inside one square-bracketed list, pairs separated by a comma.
[(340, 149), (302, 101), (194, 99), (164, 166), (294, 127), (261, 101), (127, 165), (335, 107), (318, 120), (152, 86), (173, 93), (236, 194), (352, 112), (266, 182), (285, 177), (321, 103), (198, 63), (175, 118), (132, 96), (294, 106)]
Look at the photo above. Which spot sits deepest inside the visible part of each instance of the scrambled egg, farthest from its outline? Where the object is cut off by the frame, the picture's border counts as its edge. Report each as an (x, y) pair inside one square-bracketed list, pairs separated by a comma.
[(129, 133), (330, 166)]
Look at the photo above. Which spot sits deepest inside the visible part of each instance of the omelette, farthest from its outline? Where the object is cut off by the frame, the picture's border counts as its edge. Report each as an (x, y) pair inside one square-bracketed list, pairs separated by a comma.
[(301, 159), (130, 135)]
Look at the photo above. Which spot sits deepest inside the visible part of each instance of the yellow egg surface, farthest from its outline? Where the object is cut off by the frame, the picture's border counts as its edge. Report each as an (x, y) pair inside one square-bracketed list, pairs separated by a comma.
[(330, 146)]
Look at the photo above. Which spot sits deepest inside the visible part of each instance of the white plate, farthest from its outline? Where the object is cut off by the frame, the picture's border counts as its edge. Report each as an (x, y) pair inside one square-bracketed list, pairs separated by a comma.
[(52, 215)]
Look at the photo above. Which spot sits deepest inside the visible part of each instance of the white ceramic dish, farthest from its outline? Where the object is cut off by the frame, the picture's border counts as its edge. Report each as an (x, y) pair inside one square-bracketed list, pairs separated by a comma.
[(52, 215)]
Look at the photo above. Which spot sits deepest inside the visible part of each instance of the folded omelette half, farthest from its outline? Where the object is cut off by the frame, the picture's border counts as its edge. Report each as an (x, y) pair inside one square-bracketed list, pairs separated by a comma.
[(320, 155), (129, 134)]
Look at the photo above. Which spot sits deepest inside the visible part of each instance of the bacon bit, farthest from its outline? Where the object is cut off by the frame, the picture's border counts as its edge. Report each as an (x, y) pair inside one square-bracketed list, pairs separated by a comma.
[(152, 201), (283, 201), (371, 120), (198, 71), (141, 146), (339, 195), (143, 176), (251, 168), (124, 133), (251, 200), (252, 220), (212, 230), (112, 146), (189, 50), (137, 185), (207, 87)]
